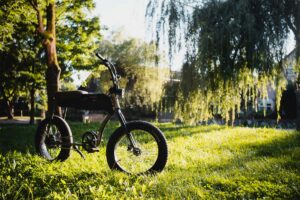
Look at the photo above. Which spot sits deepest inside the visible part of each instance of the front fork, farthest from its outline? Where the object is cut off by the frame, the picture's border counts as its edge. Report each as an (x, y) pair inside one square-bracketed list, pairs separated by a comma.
[(123, 122)]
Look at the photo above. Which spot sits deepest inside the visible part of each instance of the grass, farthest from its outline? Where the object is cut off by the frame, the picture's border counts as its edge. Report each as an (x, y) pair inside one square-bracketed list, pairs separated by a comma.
[(205, 162)]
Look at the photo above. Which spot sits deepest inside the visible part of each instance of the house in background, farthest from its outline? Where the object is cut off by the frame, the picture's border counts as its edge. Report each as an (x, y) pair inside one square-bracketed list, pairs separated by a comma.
[(289, 63), (269, 104)]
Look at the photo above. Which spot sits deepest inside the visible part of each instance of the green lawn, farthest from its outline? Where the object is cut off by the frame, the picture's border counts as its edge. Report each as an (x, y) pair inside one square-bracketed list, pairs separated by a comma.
[(208, 162)]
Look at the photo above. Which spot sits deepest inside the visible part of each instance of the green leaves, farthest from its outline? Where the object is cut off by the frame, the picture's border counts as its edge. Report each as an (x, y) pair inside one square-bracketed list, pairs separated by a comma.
[(135, 62), (78, 35), (226, 43)]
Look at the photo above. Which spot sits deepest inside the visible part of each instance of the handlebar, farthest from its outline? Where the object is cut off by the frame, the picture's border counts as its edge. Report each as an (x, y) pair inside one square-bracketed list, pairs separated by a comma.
[(110, 67), (113, 73), (101, 57)]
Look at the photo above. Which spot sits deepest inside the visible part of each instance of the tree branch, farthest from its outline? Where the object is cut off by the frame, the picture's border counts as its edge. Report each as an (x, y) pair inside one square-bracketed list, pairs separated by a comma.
[(34, 4), (290, 24), (40, 25)]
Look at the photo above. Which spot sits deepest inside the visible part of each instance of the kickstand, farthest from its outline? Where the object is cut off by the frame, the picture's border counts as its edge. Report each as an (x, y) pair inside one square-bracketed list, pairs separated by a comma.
[(78, 151)]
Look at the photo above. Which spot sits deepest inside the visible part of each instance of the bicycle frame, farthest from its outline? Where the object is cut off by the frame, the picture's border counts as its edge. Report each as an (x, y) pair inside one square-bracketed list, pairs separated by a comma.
[(115, 92)]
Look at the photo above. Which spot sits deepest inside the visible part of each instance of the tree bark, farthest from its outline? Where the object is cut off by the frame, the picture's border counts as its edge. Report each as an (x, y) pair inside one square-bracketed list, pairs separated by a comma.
[(8, 104), (297, 57), (9, 107), (53, 71), (49, 43), (32, 109)]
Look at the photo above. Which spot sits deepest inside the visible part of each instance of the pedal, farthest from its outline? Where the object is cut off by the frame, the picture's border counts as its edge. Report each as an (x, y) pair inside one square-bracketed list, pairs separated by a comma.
[(78, 151)]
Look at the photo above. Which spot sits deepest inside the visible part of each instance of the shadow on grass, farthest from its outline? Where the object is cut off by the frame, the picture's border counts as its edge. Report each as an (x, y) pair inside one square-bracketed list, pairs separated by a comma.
[(20, 137), (17, 138)]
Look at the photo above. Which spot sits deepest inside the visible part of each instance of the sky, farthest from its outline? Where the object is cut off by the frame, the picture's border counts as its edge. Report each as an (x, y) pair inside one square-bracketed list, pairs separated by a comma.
[(126, 14), (129, 16)]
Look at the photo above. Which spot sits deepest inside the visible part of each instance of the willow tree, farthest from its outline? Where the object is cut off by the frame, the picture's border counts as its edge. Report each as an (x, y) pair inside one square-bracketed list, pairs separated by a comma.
[(234, 53), (290, 12)]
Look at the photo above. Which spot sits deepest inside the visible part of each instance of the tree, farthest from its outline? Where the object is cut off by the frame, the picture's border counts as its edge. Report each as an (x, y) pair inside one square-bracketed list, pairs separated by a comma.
[(9, 76), (290, 12), (234, 52), (22, 69), (48, 35), (49, 42), (78, 37), (135, 62), (11, 12)]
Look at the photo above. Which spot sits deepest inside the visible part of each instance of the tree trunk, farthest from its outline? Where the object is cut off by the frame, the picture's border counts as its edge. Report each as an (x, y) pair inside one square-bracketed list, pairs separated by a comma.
[(49, 43), (9, 107), (32, 92), (9, 110), (52, 79), (297, 57), (53, 70)]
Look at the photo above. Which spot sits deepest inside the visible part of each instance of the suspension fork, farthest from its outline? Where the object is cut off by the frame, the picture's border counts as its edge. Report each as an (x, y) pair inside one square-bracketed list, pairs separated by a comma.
[(124, 125)]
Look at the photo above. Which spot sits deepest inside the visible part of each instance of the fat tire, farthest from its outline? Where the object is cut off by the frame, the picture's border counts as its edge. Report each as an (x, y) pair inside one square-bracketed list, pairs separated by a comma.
[(66, 135), (138, 125)]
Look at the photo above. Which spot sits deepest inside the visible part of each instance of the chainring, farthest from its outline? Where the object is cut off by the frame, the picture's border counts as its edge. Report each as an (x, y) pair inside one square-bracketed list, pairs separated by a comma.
[(89, 141)]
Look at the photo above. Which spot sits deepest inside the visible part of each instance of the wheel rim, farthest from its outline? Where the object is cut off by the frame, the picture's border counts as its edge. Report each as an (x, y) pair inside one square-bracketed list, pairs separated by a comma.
[(51, 144), (136, 160)]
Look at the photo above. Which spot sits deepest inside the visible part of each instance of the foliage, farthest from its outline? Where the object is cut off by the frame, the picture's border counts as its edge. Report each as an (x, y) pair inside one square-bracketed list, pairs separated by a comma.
[(135, 62), (78, 36), (206, 162), (288, 103), (234, 53), (22, 71), (11, 12), (23, 59)]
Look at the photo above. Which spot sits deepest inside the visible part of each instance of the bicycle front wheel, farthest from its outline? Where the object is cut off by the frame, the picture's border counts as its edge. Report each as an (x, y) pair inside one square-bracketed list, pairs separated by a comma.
[(148, 155)]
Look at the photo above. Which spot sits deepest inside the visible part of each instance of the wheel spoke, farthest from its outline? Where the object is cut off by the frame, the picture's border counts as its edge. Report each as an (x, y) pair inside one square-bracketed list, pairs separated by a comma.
[(52, 141), (137, 163)]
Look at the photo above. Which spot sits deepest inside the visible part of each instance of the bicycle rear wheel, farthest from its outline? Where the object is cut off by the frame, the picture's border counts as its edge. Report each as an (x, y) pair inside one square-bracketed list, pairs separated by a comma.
[(149, 154), (53, 139)]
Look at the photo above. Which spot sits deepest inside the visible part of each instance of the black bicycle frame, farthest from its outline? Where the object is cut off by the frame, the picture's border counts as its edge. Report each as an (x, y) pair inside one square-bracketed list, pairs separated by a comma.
[(115, 92)]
